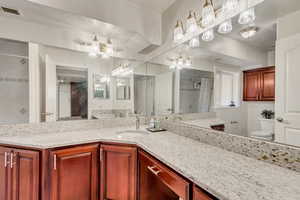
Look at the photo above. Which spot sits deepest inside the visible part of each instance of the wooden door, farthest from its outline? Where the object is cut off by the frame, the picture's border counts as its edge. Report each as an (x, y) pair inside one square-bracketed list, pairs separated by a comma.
[(5, 183), (74, 173), (199, 194), (25, 175), (251, 86), (287, 106), (267, 91), (118, 172)]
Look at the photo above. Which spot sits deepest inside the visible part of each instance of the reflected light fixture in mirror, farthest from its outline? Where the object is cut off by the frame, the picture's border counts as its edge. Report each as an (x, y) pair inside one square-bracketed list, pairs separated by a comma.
[(178, 31), (194, 42), (180, 62), (122, 70), (105, 79), (208, 14), (208, 35), (249, 32), (94, 48), (191, 23), (247, 16), (109, 47), (230, 6), (225, 27)]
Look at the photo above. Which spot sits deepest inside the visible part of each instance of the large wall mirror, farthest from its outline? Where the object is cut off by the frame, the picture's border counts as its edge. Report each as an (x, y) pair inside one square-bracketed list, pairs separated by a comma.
[(123, 88), (99, 71), (101, 86)]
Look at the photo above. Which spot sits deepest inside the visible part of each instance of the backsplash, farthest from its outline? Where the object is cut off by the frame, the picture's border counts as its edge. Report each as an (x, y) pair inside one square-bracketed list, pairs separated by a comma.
[(274, 153), (63, 126)]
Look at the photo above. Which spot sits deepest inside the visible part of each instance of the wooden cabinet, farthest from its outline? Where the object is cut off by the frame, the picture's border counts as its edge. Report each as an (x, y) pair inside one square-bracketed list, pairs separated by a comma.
[(74, 173), (156, 181), (118, 172), (259, 84), (199, 194), (19, 174)]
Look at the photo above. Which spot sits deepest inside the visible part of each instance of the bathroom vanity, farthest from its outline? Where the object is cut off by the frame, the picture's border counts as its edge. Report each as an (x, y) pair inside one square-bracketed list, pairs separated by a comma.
[(90, 171), (123, 164)]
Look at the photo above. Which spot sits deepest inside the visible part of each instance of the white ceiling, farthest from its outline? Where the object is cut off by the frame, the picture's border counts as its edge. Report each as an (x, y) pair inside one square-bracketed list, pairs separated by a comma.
[(266, 15), (158, 5), (85, 27)]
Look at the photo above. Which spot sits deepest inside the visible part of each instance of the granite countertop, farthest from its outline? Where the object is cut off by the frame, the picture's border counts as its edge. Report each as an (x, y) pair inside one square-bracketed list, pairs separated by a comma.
[(227, 175), (206, 122)]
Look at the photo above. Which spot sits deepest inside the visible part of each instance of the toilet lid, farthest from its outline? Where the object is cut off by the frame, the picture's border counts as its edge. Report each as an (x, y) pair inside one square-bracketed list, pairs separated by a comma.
[(262, 134)]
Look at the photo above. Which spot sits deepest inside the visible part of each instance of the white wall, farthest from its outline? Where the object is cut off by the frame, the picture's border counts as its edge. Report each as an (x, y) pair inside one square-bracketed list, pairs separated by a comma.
[(14, 82), (288, 25), (121, 13)]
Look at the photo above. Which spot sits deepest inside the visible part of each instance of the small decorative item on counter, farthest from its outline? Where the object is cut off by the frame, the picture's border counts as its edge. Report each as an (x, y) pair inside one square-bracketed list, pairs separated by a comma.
[(152, 123), (268, 114), (232, 104)]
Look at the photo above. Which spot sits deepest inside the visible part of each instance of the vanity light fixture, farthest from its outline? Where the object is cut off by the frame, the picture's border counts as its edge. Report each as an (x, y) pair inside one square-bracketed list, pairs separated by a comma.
[(109, 47), (188, 62), (180, 62), (105, 79), (225, 27), (178, 31), (194, 42), (230, 6), (122, 70), (249, 31), (247, 16), (105, 50), (94, 47), (191, 23), (208, 36), (208, 14)]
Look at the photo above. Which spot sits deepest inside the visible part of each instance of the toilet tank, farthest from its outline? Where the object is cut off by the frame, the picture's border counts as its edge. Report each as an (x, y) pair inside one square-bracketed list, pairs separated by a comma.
[(267, 124)]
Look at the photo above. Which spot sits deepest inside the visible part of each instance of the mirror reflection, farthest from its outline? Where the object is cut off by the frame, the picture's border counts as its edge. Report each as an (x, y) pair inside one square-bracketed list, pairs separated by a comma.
[(101, 86), (123, 88), (217, 79)]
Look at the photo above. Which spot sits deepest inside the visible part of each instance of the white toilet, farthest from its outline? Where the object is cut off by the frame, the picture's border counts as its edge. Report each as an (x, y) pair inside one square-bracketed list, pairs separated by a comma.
[(267, 130)]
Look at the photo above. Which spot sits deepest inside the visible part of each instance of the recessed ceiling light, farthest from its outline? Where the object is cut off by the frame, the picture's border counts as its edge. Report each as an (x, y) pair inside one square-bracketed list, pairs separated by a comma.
[(249, 31)]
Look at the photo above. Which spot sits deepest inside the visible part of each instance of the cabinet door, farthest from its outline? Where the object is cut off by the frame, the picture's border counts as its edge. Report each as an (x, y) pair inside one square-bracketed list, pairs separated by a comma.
[(199, 194), (25, 174), (118, 172), (5, 174), (251, 86), (74, 173), (267, 92)]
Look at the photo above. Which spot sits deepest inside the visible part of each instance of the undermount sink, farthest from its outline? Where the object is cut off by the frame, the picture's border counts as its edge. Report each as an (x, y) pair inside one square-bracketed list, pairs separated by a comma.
[(132, 133)]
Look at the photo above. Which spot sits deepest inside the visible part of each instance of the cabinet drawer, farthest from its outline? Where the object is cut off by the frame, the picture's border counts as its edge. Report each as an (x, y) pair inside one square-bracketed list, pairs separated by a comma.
[(173, 181), (199, 194)]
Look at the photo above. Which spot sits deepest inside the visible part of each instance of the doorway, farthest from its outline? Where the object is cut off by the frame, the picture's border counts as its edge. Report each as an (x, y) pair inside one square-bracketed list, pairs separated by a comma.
[(72, 93)]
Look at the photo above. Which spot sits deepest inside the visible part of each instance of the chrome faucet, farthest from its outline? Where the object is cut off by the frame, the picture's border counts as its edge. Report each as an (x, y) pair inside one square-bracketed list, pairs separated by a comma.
[(137, 122)]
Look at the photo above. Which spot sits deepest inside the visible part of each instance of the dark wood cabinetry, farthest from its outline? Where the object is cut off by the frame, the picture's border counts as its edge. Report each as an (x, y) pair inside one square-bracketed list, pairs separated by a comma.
[(156, 181), (19, 174), (199, 194), (118, 172), (87, 172), (74, 173), (259, 84)]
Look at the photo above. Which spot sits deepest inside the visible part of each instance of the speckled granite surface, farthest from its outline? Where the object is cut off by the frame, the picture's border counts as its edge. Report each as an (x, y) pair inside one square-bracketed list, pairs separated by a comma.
[(274, 153), (63, 126), (227, 175)]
